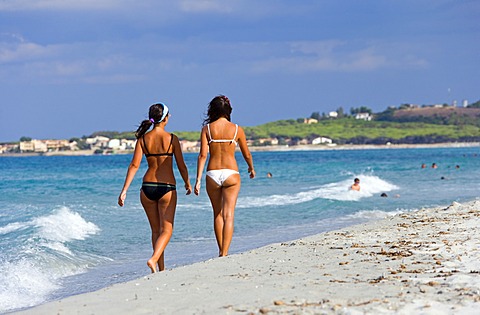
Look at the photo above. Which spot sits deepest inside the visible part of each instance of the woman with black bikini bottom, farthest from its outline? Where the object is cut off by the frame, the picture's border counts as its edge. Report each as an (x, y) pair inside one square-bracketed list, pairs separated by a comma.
[(158, 194)]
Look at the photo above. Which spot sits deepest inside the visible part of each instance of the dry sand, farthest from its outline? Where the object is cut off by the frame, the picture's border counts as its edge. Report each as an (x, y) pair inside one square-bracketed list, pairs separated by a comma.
[(423, 262)]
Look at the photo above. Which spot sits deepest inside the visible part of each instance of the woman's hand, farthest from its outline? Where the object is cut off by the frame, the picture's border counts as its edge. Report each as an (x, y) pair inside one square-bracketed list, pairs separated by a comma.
[(121, 198), (252, 173), (188, 188), (197, 188)]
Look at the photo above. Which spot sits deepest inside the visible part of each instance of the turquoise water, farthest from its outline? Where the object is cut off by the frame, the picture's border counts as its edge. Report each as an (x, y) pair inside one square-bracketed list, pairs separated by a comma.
[(62, 233)]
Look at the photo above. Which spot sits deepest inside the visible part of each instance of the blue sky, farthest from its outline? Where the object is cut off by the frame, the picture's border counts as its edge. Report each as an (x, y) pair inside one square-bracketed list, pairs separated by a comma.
[(70, 68)]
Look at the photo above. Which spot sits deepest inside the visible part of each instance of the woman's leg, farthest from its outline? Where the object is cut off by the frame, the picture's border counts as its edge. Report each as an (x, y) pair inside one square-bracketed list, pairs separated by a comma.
[(230, 190), (215, 194), (161, 217), (153, 216)]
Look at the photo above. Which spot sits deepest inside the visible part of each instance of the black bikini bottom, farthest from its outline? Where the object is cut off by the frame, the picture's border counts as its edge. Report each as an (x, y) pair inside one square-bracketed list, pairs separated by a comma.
[(155, 191)]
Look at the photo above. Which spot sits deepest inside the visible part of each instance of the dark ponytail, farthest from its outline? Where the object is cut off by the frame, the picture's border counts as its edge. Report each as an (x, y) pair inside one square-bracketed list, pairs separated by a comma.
[(144, 126), (154, 114)]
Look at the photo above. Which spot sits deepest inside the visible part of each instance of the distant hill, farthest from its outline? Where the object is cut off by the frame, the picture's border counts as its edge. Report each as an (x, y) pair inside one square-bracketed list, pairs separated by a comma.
[(351, 130), (433, 115), (426, 112)]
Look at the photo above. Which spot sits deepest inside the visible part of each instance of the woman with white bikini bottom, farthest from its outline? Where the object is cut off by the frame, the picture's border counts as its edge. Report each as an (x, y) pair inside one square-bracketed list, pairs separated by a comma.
[(220, 137)]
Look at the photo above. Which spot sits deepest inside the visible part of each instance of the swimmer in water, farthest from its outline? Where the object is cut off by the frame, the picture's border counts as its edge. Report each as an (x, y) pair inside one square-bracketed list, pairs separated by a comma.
[(356, 185)]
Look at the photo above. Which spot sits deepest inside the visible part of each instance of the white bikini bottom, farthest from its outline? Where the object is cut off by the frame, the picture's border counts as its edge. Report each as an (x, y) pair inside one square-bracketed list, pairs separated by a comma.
[(220, 176)]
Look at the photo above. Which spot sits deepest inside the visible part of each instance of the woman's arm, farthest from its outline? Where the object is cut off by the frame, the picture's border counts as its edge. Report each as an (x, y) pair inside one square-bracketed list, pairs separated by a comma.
[(182, 167), (202, 158), (132, 170), (242, 142)]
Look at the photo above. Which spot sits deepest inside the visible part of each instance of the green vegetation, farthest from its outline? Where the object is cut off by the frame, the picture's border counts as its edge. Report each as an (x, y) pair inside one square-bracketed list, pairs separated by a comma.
[(188, 135), (438, 116), (474, 105), (349, 130)]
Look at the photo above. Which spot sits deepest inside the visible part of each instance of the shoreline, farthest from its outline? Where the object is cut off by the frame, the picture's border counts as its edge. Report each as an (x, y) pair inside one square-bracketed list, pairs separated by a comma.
[(274, 148), (315, 147), (426, 261)]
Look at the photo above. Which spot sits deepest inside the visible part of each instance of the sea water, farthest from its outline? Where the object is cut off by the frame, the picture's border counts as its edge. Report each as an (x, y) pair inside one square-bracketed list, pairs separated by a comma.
[(62, 232)]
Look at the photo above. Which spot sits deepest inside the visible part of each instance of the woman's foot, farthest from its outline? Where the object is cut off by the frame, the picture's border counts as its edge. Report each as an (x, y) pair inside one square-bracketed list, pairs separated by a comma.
[(152, 265)]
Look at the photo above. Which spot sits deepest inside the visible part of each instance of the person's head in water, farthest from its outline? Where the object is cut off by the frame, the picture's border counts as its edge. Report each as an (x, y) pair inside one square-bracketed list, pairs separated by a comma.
[(218, 107), (383, 195), (356, 184), (157, 113)]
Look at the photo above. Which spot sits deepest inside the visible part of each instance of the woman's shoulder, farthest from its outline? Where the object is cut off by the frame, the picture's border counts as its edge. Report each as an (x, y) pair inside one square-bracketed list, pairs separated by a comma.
[(222, 123), (163, 134)]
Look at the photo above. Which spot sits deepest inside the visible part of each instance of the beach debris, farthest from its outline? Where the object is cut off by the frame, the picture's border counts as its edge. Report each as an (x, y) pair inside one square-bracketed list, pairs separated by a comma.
[(364, 303), (356, 245), (338, 281), (433, 283), (405, 253), (337, 307), (377, 280)]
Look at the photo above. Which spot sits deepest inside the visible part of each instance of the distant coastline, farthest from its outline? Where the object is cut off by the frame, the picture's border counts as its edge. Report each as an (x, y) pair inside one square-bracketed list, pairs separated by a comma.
[(270, 148), (315, 147)]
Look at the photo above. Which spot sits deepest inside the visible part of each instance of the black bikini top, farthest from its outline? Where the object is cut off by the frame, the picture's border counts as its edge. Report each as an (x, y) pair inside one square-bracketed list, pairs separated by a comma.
[(148, 154)]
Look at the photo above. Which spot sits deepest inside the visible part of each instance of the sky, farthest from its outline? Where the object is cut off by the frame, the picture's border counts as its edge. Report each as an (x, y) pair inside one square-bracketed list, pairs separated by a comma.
[(71, 68)]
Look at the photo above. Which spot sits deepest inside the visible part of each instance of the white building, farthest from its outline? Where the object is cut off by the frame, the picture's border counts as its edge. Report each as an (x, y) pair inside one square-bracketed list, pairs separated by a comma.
[(98, 141), (364, 116), (115, 144), (333, 114), (44, 145), (39, 146), (310, 121), (321, 140)]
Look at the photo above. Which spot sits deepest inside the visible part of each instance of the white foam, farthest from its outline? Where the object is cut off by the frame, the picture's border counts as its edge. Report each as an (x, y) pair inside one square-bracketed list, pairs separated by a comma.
[(370, 186), (374, 214), (24, 284), (31, 271), (64, 225), (12, 227)]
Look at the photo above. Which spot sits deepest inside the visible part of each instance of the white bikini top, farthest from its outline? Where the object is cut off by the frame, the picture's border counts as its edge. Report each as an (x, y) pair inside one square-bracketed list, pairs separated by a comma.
[(222, 140)]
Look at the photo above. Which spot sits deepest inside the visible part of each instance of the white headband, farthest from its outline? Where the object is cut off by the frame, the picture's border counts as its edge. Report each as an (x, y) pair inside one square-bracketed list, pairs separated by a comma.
[(165, 112)]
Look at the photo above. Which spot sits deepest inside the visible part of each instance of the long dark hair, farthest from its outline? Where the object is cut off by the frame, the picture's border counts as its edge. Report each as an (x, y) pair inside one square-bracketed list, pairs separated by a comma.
[(155, 113), (217, 108)]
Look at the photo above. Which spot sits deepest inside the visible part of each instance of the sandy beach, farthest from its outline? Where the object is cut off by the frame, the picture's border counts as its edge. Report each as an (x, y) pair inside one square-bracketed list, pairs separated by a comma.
[(422, 262)]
